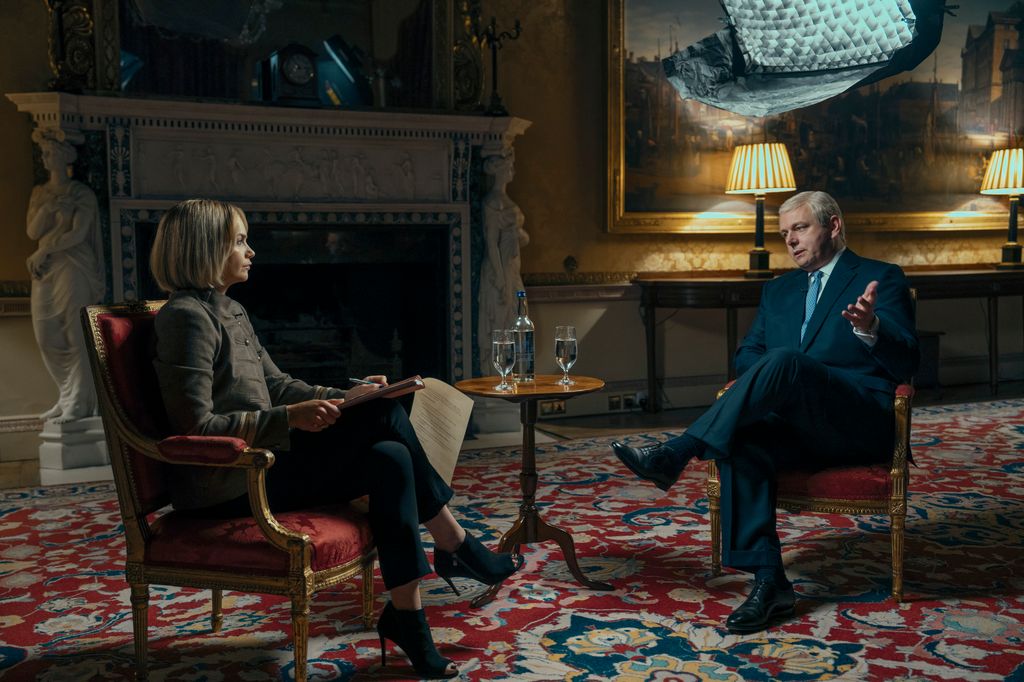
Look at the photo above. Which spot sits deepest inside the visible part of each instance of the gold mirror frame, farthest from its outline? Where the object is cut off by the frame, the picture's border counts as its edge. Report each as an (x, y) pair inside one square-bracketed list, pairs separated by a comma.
[(652, 222)]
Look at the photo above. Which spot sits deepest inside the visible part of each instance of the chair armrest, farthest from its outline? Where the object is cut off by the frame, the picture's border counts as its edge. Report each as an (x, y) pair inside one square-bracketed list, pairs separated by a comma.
[(225, 451), (219, 451), (905, 390), (725, 388)]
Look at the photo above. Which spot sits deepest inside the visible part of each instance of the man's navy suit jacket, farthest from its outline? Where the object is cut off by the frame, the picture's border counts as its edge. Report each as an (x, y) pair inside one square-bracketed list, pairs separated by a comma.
[(829, 337)]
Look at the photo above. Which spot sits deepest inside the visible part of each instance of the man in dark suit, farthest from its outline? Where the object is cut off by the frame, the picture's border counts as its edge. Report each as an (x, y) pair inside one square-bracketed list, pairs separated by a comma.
[(816, 377)]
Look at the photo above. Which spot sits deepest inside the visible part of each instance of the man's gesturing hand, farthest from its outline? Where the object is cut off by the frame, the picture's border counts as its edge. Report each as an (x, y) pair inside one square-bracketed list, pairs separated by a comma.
[(862, 313)]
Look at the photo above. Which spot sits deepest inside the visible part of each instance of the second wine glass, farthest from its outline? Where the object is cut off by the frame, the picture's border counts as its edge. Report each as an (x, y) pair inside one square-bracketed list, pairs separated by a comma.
[(503, 356), (565, 351)]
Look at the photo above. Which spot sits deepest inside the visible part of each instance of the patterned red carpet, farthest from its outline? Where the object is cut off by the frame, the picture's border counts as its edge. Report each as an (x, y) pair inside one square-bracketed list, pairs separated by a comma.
[(64, 611)]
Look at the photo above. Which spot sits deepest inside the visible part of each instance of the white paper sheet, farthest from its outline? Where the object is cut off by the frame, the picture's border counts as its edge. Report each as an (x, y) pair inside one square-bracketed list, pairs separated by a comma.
[(440, 415)]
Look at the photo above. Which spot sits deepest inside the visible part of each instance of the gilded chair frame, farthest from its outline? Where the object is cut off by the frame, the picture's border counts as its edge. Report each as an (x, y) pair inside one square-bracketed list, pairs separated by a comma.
[(895, 506), (300, 582)]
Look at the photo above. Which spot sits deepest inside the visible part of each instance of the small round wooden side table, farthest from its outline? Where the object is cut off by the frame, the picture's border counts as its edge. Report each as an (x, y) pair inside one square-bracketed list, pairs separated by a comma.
[(530, 527)]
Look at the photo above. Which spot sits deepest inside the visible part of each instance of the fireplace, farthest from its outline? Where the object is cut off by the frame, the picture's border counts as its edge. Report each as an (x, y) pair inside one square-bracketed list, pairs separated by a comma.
[(367, 225), (393, 192), (332, 301)]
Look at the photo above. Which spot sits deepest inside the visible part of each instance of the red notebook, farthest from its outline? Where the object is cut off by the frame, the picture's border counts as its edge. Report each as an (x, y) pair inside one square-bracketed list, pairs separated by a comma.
[(399, 388)]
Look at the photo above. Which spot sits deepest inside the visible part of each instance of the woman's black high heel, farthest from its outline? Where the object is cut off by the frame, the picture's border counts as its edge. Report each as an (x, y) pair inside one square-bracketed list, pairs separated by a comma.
[(473, 560), (409, 630)]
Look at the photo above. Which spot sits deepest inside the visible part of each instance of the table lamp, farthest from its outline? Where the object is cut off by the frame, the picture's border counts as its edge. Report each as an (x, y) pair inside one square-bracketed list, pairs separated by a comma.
[(758, 169), (1005, 175)]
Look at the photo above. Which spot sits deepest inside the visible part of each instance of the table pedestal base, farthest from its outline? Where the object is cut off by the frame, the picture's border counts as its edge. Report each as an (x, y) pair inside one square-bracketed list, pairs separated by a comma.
[(530, 527)]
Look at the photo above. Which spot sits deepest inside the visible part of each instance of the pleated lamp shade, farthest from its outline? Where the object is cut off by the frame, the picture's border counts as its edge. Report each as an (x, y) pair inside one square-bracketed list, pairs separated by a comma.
[(1005, 172), (759, 169)]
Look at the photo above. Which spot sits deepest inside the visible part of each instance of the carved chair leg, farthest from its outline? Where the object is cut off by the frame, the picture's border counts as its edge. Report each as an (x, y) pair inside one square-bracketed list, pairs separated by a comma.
[(300, 634), (140, 625), (714, 490), (367, 590), (716, 538), (898, 521), (216, 617)]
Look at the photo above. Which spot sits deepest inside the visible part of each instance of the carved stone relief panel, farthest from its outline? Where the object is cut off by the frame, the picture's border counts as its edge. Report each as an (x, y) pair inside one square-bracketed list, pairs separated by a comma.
[(252, 168)]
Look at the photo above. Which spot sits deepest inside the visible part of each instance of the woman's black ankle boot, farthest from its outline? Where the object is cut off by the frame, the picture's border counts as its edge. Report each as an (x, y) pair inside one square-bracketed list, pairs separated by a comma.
[(409, 630), (473, 560)]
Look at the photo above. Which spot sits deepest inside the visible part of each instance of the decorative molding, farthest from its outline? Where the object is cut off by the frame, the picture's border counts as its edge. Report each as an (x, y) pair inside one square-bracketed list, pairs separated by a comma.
[(15, 307), (459, 312), (15, 288), (462, 154), (215, 119), (580, 293), (178, 149), (537, 279), (24, 423), (72, 45), (119, 137)]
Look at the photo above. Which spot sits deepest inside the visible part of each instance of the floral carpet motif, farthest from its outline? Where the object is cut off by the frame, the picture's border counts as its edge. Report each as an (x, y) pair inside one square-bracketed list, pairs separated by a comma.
[(65, 615)]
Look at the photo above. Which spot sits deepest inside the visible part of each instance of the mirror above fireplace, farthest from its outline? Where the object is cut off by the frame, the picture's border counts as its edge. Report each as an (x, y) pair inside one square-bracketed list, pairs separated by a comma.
[(409, 53)]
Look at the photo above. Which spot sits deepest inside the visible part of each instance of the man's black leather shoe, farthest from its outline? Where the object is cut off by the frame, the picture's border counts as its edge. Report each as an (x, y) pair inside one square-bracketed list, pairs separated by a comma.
[(654, 463), (767, 604)]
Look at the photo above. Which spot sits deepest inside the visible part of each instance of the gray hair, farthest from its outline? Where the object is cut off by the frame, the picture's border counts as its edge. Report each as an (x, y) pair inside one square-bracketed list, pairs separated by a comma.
[(822, 205)]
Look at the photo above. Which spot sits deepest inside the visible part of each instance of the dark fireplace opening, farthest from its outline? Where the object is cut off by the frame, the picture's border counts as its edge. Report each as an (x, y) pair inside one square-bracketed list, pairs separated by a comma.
[(331, 302)]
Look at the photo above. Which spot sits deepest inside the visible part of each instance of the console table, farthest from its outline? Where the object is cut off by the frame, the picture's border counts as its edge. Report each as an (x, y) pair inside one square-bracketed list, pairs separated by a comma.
[(731, 291)]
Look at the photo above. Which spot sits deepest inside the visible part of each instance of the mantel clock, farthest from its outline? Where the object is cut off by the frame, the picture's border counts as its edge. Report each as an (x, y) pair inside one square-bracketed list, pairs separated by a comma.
[(289, 76)]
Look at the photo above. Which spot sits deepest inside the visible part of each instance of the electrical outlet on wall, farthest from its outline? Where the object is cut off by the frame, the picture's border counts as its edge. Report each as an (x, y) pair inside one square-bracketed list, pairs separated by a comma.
[(551, 407)]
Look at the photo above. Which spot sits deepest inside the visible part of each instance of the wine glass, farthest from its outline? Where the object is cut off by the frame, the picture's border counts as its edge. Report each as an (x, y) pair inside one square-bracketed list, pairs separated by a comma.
[(503, 356), (565, 351)]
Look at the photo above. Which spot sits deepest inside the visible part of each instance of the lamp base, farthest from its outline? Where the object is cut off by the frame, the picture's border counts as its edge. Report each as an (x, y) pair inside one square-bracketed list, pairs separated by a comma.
[(759, 264), (1011, 257)]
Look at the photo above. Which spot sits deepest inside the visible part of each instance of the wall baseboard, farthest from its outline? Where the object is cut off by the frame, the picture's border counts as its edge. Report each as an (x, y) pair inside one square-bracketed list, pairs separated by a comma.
[(699, 390)]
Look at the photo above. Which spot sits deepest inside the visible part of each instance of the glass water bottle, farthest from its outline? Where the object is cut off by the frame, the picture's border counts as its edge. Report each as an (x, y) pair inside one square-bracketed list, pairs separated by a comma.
[(523, 331)]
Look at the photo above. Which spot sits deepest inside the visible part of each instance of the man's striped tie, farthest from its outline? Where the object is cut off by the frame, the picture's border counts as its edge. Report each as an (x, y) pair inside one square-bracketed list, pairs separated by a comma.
[(812, 300)]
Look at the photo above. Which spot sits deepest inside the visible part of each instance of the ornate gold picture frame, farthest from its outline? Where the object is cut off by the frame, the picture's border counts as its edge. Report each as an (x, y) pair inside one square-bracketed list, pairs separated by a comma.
[(904, 154)]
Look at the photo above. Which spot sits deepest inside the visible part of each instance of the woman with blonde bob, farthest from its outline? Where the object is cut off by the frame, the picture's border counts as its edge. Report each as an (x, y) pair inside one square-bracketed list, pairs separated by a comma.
[(216, 379)]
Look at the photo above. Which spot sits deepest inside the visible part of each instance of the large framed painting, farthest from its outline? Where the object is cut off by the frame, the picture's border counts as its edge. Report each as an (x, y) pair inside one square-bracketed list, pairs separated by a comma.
[(905, 153)]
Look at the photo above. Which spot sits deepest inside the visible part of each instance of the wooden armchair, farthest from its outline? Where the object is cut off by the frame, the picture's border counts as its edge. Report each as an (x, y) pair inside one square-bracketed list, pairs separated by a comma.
[(294, 554), (869, 489)]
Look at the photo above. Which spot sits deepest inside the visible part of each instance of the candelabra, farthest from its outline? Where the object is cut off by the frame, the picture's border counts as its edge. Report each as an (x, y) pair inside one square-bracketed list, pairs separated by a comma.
[(494, 40)]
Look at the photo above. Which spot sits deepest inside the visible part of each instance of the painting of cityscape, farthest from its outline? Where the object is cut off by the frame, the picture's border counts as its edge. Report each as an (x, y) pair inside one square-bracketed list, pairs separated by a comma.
[(915, 142)]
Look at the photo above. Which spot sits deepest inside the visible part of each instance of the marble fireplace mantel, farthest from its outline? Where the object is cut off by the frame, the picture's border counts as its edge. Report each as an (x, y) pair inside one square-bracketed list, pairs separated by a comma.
[(286, 165)]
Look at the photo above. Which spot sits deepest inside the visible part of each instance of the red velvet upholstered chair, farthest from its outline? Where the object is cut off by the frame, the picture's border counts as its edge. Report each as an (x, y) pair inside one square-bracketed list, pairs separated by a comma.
[(294, 554), (870, 489)]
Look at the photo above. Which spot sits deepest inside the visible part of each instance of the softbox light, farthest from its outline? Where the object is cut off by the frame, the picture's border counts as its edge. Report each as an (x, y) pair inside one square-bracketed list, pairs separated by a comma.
[(778, 55), (237, 22)]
